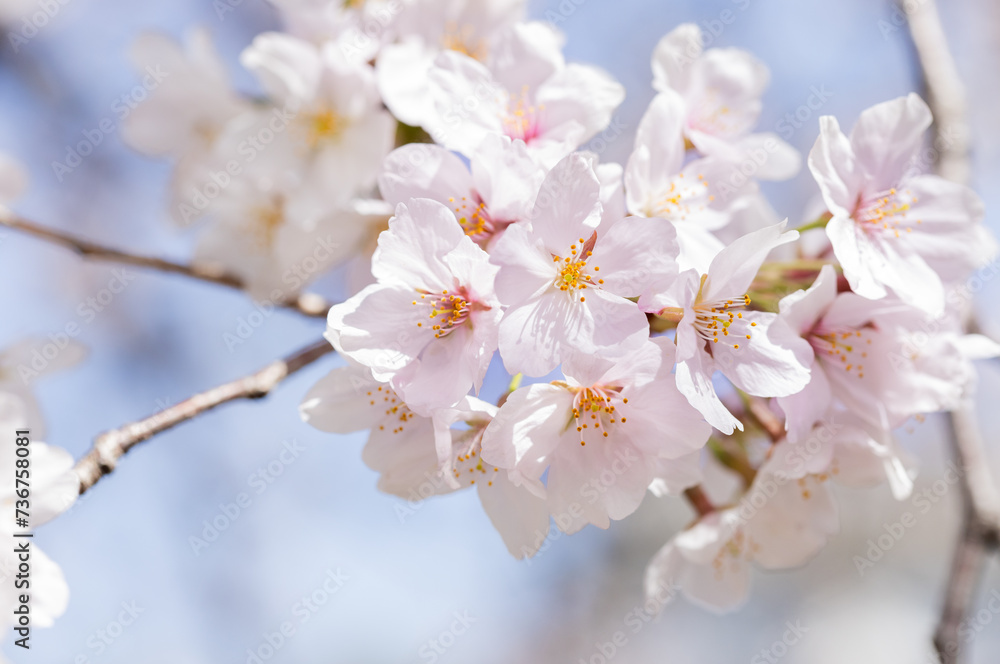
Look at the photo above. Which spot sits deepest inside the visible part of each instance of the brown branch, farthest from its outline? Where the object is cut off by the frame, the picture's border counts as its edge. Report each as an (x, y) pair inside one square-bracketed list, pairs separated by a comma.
[(110, 446), (309, 304), (764, 417), (699, 501), (980, 500)]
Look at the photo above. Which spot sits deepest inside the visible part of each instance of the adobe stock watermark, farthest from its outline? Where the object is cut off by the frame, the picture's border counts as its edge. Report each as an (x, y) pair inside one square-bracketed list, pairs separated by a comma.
[(795, 120), (432, 649), (34, 22), (922, 501), (358, 43), (304, 609), (259, 481), (121, 108)]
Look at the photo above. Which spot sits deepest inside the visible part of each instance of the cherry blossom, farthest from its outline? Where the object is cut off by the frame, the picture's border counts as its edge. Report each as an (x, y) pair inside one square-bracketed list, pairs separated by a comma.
[(497, 189), (601, 434), (565, 276), (721, 90), (757, 351), (427, 28), (429, 324), (891, 228), (418, 457), (13, 179), (530, 94)]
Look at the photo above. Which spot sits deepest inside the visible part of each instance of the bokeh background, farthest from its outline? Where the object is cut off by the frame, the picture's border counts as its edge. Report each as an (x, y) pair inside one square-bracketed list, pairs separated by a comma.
[(411, 569)]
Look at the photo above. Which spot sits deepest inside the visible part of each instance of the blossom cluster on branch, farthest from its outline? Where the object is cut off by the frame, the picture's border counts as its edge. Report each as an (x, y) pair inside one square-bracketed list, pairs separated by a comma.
[(665, 331)]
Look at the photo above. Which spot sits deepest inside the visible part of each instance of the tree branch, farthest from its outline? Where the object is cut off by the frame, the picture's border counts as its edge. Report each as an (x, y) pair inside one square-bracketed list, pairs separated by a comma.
[(110, 446), (308, 304), (980, 499)]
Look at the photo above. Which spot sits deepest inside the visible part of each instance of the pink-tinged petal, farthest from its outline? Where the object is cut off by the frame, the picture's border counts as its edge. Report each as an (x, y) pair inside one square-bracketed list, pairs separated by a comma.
[(521, 518), (568, 206), (379, 328), (288, 68), (694, 380), (580, 490), (455, 123), (977, 347), (886, 138), (444, 373), (341, 401), (803, 308), (808, 406), (49, 592), (860, 261), (581, 95), (526, 267), (506, 177), (734, 268), (674, 56), (54, 485), (774, 362), (780, 160), (633, 254), (404, 455), (527, 429), (835, 168), (726, 103), (412, 251), (611, 177), (422, 170), (912, 279)]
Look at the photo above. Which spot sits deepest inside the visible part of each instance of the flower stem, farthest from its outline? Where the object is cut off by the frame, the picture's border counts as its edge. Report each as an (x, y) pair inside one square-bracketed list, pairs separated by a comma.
[(819, 222)]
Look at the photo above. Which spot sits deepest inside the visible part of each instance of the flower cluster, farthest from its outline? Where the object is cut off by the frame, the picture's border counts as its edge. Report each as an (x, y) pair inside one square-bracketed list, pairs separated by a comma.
[(660, 324)]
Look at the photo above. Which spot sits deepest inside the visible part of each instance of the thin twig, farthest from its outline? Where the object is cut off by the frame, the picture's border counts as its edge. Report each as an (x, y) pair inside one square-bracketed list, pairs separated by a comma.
[(699, 501), (980, 499), (110, 446), (309, 304)]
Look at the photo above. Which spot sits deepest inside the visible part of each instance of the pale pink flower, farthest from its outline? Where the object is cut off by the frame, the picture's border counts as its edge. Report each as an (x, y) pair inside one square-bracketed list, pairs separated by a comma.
[(427, 28), (603, 434), (419, 457), (495, 190), (757, 351), (892, 228), (721, 90), (565, 277), (429, 324), (530, 94)]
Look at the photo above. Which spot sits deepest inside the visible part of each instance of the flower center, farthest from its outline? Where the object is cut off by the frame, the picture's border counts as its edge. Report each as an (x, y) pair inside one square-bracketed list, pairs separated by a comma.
[(523, 117), (447, 310), (266, 220), (474, 219), (844, 349), (675, 203), (469, 465), (397, 413), (723, 318), (594, 410), (463, 39), (323, 126), (886, 212), (573, 273)]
